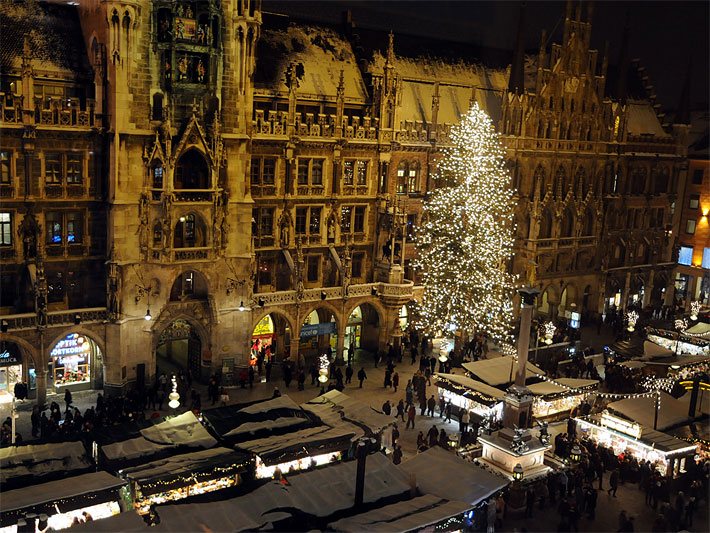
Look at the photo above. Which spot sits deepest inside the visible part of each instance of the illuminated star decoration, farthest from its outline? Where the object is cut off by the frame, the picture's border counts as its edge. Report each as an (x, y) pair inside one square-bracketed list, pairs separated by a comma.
[(681, 324), (694, 310), (631, 318), (549, 332), (466, 236)]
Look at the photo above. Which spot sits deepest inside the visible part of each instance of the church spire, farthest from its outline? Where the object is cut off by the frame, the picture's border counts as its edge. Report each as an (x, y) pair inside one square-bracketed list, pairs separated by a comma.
[(516, 82), (624, 61), (683, 114)]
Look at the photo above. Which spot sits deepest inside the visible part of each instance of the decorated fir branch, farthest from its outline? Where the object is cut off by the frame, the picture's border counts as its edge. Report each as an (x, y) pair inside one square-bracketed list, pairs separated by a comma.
[(466, 238)]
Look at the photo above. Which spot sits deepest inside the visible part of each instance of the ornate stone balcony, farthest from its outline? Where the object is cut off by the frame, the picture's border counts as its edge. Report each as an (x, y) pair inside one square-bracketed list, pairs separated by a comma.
[(389, 292), (89, 315)]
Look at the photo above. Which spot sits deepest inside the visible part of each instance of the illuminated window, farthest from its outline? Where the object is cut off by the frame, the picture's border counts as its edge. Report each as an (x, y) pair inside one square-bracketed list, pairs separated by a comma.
[(301, 217), (75, 172), (690, 226), (685, 256), (5, 229), (158, 175), (75, 227), (53, 222), (694, 201), (263, 170), (53, 168), (706, 258), (355, 170)]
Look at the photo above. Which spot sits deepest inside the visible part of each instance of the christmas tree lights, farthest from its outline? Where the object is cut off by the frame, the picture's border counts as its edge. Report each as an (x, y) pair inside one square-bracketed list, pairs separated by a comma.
[(466, 237)]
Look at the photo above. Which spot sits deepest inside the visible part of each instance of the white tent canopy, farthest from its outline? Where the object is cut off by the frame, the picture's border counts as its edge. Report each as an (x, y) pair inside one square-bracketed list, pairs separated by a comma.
[(42, 459), (447, 475), (565, 384), (701, 329), (181, 430), (642, 410), (651, 350), (474, 385), (127, 522), (498, 371), (335, 409)]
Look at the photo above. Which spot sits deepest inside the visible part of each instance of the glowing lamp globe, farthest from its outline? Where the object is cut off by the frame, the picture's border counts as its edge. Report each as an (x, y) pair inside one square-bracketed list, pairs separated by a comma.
[(548, 340), (323, 375), (517, 472), (174, 398), (576, 453), (443, 358)]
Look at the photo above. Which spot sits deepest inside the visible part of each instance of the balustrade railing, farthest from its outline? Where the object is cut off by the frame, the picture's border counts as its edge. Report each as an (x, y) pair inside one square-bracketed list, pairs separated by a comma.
[(63, 317)]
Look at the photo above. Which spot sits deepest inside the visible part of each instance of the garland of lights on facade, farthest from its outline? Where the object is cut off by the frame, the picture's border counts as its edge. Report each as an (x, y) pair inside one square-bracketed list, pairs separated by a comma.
[(466, 237)]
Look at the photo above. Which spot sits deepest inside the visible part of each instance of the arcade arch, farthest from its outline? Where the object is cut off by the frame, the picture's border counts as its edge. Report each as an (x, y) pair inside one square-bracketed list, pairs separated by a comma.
[(182, 345), (362, 329), (271, 338), (75, 362), (318, 334)]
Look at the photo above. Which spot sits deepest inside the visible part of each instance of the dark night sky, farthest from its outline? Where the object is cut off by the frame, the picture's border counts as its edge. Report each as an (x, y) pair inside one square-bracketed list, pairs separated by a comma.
[(663, 33)]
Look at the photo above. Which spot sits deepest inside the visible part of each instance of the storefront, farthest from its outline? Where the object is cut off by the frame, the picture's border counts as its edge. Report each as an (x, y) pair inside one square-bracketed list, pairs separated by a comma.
[(472, 395), (262, 339), (666, 453), (182, 476), (56, 504), (317, 336), (353, 331), (12, 372), (557, 399), (681, 343), (75, 363)]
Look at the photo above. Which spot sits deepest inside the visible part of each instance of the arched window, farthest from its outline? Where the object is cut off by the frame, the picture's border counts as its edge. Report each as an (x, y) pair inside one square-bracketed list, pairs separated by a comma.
[(192, 171), (545, 225), (189, 285), (539, 180), (156, 171), (589, 223), (157, 109), (581, 182), (560, 180), (190, 232), (567, 229), (157, 234)]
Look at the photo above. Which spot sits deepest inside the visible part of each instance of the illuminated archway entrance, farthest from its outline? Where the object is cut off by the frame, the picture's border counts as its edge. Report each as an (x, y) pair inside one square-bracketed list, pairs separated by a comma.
[(75, 362), (179, 348), (319, 334), (270, 339), (362, 330), (15, 367)]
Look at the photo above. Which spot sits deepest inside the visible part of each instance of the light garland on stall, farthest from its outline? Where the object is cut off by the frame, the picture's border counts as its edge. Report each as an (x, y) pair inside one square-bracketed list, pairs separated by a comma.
[(466, 237)]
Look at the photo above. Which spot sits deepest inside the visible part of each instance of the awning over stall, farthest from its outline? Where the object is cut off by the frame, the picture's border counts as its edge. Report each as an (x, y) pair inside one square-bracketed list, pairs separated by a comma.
[(470, 388), (35, 461), (410, 515), (170, 473), (60, 489), (335, 408), (651, 351), (498, 371), (563, 386), (642, 410), (446, 475), (184, 430)]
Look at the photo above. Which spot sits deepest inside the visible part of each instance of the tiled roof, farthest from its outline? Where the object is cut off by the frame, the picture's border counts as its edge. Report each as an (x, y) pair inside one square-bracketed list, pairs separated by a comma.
[(54, 34)]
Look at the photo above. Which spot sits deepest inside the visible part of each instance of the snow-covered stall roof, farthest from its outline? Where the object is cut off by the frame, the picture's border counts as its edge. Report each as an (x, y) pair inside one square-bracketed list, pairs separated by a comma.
[(39, 460), (322, 52), (409, 515), (651, 350), (498, 371), (168, 469), (469, 387), (642, 410), (181, 430), (545, 388), (702, 406), (633, 364), (701, 329), (318, 493), (642, 119), (335, 409), (59, 489), (446, 475), (127, 522)]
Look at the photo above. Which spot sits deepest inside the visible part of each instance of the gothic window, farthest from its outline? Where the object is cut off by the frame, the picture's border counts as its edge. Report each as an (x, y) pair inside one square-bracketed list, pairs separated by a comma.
[(362, 172), (314, 220), (6, 229), (75, 164), (660, 180), (638, 180), (263, 170), (157, 234), (589, 223), (190, 232), (560, 180), (157, 108), (545, 225), (310, 172), (157, 174), (301, 218), (53, 223), (357, 262), (582, 183), (567, 224), (263, 221), (192, 171), (53, 168), (312, 268), (539, 180), (5, 169), (411, 226), (75, 227)]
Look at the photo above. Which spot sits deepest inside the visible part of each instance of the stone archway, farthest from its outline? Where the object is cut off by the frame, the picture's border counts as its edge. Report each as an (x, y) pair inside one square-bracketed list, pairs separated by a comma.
[(319, 332), (17, 363), (75, 360), (182, 344), (272, 336), (364, 324)]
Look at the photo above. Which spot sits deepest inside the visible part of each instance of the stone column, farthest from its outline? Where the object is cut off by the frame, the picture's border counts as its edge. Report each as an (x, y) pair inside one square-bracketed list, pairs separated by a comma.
[(625, 292), (41, 375), (527, 303), (648, 290), (340, 345)]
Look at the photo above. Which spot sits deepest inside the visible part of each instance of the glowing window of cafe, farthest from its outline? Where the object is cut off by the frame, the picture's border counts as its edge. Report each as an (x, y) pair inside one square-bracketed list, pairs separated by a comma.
[(70, 359)]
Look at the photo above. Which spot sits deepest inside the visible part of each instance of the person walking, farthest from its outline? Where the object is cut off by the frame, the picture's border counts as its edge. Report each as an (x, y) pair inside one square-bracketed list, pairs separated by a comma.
[(395, 381), (361, 375), (411, 414), (397, 454), (35, 419), (400, 410), (447, 412), (388, 378), (349, 374), (442, 406), (464, 420), (67, 398), (431, 404), (432, 436), (387, 408), (251, 379), (613, 482)]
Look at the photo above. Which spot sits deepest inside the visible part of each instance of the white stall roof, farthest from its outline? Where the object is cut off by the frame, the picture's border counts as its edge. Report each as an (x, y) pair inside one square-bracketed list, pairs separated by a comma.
[(127, 522), (642, 410), (178, 464), (633, 364), (281, 402), (321, 493), (181, 430), (700, 329), (497, 371), (335, 408), (474, 385), (54, 490), (565, 384), (651, 350), (42, 459), (447, 475), (296, 439), (409, 515)]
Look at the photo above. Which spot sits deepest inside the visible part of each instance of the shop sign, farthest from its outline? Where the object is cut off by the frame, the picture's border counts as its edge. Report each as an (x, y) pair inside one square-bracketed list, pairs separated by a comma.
[(7, 358), (619, 424), (71, 349), (312, 330)]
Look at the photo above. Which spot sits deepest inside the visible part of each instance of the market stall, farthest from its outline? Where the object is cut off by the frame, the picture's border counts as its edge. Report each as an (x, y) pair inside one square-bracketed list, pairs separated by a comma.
[(63, 500), (35, 463), (666, 453), (472, 395), (672, 412), (559, 397), (336, 409), (157, 439), (500, 371), (185, 475), (693, 341)]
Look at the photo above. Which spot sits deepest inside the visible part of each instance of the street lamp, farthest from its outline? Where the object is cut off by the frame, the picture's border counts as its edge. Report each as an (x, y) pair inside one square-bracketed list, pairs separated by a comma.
[(323, 370), (694, 309), (631, 318), (575, 454), (148, 316), (174, 397), (518, 472), (550, 329), (14, 416)]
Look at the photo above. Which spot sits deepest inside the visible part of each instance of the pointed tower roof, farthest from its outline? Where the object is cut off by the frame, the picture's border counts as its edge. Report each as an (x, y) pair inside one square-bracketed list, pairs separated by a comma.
[(621, 87), (683, 114), (516, 82)]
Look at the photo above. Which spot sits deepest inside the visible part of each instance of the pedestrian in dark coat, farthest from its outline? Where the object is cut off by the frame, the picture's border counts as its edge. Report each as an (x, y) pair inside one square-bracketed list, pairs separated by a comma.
[(613, 482), (411, 414), (400, 410), (433, 436), (251, 377), (431, 405), (348, 374), (397, 454), (395, 381), (361, 375), (67, 398), (388, 378), (387, 408)]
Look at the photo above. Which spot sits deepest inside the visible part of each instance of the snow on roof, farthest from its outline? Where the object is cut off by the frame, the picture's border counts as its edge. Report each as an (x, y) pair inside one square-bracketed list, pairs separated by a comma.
[(633, 364), (281, 402), (547, 387), (335, 408), (642, 410), (320, 493), (59, 489), (477, 386), (498, 371), (409, 515), (181, 430), (642, 119), (253, 427), (321, 52), (701, 329), (42, 459), (129, 521), (446, 475), (651, 350)]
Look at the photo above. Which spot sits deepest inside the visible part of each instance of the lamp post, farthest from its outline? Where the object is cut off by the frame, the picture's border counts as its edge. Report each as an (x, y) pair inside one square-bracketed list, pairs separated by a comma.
[(174, 397), (631, 319), (518, 472), (13, 416), (324, 363), (575, 454)]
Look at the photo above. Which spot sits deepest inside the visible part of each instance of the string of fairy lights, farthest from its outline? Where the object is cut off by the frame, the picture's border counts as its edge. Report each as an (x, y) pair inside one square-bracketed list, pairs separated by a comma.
[(466, 235)]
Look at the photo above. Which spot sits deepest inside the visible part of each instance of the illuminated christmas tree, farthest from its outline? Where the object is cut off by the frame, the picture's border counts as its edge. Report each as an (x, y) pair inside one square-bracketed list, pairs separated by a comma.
[(466, 237)]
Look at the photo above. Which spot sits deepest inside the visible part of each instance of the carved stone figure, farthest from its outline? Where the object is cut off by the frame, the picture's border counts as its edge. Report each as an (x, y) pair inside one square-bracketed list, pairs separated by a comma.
[(28, 232), (113, 291), (285, 229)]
